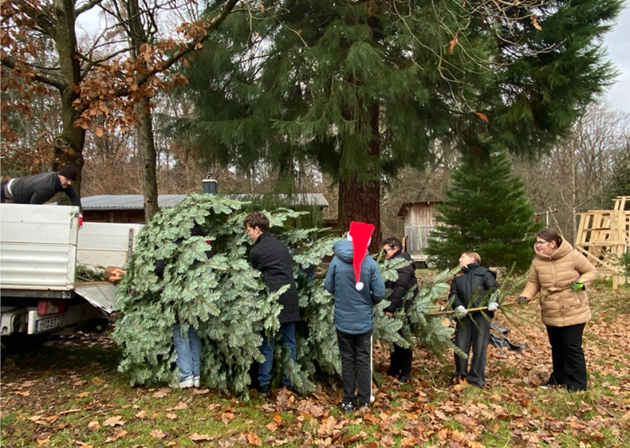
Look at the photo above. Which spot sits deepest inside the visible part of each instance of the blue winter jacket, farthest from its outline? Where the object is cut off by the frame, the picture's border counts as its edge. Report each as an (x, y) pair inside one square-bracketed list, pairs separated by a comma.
[(353, 308)]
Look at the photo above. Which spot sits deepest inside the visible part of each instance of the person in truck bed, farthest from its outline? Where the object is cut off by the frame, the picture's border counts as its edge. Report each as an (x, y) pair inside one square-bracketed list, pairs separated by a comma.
[(41, 187)]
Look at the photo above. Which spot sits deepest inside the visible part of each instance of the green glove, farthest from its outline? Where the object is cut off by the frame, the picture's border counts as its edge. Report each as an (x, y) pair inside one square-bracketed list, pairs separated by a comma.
[(576, 286)]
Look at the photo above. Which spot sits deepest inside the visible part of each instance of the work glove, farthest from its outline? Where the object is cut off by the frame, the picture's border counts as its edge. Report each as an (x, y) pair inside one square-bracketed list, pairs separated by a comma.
[(492, 307), (460, 312), (522, 300), (576, 286)]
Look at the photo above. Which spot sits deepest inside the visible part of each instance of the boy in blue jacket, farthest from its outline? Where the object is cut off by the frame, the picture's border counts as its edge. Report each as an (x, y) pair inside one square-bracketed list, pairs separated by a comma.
[(354, 280)]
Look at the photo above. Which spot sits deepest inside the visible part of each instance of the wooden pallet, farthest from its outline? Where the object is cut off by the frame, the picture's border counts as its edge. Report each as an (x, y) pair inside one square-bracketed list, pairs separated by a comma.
[(604, 236)]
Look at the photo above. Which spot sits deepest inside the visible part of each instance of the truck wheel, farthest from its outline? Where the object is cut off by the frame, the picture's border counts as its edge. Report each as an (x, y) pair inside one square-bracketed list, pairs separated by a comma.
[(23, 340), (97, 326)]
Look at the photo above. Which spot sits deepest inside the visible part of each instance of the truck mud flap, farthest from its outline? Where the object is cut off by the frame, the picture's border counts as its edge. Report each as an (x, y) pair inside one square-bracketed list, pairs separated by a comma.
[(102, 295)]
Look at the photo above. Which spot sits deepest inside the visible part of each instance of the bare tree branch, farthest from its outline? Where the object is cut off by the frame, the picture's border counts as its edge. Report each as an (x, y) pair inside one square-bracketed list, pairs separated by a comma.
[(36, 76), (86, 7)]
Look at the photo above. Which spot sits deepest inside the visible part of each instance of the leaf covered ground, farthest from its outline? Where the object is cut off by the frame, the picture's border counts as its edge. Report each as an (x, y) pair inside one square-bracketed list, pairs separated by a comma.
[(69, 394)]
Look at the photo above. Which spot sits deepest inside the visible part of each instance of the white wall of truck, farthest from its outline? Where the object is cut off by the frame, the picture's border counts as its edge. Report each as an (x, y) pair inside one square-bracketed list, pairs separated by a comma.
[(40, 247)]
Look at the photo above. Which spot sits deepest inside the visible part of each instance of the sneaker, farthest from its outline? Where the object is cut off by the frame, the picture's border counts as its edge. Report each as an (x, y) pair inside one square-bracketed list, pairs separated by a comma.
[(548, 385), (184, 384), (263, 390), (347, 407), (196, 381), (403, 379), (364, 406)]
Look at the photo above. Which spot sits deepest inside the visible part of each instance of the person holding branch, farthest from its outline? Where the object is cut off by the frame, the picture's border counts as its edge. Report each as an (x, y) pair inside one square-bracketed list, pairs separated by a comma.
[(561, 274), (472, 287)]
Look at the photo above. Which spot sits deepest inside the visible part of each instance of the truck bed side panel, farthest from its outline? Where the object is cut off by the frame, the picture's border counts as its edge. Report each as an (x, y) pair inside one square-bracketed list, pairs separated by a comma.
[(38, 247)]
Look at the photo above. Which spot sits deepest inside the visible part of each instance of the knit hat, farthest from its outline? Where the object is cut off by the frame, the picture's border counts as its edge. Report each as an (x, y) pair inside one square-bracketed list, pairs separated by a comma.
[(360, 234), (69, 172)]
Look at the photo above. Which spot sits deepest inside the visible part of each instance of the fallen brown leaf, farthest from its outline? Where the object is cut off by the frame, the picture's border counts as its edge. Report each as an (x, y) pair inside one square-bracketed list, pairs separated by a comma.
[(387, 440), (157, 433), (42, 440), (117, 435), (196, 437), (114, 421), (253, 439), (181, 405), (227, 417), (162, 393), (96, 380), (93, 425)]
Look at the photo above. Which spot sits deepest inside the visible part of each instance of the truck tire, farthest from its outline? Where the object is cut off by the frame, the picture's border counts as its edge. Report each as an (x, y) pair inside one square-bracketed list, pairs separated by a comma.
[(97, 325), (23, 340)]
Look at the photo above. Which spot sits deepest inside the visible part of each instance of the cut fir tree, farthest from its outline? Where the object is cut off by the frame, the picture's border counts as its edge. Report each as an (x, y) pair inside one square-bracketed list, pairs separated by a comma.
[(225, 300)]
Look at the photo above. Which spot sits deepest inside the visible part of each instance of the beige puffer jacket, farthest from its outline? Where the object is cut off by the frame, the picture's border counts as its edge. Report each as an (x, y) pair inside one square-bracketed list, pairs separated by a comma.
[(555, 272)]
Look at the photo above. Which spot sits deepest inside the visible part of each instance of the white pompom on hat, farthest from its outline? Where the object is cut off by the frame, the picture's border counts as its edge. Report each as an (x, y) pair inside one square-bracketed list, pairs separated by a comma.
[(360, 234)]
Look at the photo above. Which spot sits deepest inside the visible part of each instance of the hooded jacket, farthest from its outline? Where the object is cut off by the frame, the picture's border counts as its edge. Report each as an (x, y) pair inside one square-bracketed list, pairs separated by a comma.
[(476, 282), (405, 281), (552, 275), (353, 308)]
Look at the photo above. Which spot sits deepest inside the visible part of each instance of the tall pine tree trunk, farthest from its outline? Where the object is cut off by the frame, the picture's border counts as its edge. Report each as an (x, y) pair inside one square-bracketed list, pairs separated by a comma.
[(73, 136), (361, 200)]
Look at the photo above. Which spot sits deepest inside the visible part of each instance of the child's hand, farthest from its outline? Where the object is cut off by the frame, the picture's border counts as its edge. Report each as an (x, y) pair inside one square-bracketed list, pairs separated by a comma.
[(388, 314)]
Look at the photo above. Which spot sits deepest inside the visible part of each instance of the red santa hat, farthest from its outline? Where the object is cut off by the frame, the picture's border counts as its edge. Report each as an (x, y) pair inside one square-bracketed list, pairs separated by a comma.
[(360, 234)]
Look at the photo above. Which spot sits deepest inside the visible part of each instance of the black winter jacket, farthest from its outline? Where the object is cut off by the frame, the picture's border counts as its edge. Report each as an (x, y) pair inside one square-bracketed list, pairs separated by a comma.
[(272, 258), (40, 188), (405, 281), (476, 281)]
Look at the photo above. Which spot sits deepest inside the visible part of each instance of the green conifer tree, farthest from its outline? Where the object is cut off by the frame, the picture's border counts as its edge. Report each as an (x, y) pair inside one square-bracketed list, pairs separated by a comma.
[(485, 210), (365, 88)]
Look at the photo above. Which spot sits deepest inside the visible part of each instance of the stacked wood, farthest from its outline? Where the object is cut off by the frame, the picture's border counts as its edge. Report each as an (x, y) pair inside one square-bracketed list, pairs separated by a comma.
[(114, 274)]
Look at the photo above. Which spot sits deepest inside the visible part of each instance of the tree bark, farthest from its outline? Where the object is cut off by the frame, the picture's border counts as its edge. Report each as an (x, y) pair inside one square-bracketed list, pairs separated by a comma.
[(144, 125), (146, 142), (361, 200), (66, 41)]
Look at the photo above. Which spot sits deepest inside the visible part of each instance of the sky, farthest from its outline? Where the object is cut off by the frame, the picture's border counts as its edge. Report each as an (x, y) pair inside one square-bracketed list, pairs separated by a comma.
[(617, 42)]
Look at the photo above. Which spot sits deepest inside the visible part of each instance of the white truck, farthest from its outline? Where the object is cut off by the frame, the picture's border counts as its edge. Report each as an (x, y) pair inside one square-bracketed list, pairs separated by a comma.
[(40, 247)]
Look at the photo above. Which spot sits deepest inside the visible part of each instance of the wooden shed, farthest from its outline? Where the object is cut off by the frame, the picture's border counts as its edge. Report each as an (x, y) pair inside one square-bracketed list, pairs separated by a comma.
[(419, 217)]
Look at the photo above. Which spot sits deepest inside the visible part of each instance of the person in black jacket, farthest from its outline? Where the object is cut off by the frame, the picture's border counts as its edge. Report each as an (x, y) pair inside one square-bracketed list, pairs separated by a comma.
[(271, 257), (472, 288), (41, 187), (400, 358)]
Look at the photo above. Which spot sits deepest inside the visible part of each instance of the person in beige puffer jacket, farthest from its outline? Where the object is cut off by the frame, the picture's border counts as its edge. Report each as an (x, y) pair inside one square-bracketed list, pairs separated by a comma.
[(560, 273)]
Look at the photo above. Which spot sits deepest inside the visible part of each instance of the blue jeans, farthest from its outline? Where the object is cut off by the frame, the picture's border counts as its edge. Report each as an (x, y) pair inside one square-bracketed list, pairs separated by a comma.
[(264, 369), (188, 351)]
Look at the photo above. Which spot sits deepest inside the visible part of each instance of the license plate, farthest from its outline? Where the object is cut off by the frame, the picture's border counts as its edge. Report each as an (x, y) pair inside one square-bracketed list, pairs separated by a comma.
[(50, 323)]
